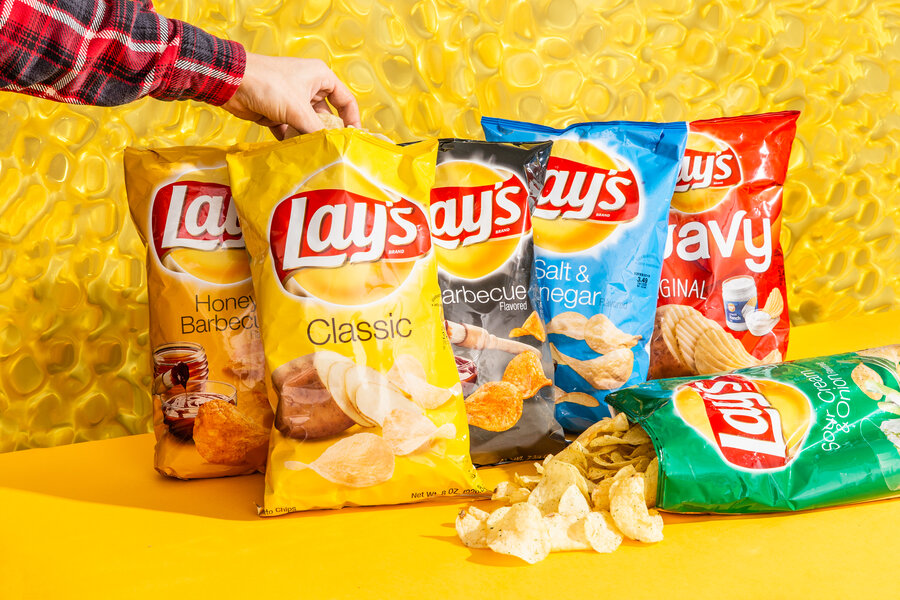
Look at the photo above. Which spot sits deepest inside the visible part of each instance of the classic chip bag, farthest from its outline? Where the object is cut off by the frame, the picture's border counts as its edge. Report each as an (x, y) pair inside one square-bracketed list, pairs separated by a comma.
[(599, 231), (789, 436), (369, 408), (722, 292), (481, 229), (204, 335)]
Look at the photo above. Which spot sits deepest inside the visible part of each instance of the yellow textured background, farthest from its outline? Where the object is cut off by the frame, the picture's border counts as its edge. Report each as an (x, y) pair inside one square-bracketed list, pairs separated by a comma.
[(73, 302)]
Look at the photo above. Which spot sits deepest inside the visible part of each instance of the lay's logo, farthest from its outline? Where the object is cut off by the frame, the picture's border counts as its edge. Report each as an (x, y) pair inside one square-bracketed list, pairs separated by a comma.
[(573, 190), (588, 193), (700, 170), (755, 424), (191, 214), (318, 238), (195, 231), (463, 216)]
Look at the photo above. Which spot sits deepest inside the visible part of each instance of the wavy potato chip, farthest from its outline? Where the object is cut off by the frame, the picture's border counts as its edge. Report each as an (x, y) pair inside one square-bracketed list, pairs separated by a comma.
[(225, 436), (602, 336), (525, 372), (359, 460), (495, 406), (629, 510), (687, 331), (717, 351), (774, 304), (532, 326)]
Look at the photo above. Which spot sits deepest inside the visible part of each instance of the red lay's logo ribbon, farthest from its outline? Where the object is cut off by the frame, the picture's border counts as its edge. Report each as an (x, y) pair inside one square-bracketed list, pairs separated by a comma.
[(197, 215), (573, 190), (755, 424), (314, 233), (587, 194), (463, 216), (707, 163)]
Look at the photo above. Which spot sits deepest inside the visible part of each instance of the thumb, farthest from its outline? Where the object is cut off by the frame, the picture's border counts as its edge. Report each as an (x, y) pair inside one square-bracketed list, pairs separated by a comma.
[(302, 117)]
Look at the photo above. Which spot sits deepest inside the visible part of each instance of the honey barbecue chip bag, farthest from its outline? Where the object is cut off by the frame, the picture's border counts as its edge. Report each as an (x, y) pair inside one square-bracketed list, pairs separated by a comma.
[(211, 413), (369, 405), (790, 436), (722, 292), (599, 229), (481, 230)]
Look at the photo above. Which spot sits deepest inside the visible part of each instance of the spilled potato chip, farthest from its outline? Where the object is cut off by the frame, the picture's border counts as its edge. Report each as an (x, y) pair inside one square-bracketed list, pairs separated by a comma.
[(224, 436), (532, 326), (525, 372), (360, 460), (521, 532), (495, 406), (574, 504), (629, 510), (471, 527)]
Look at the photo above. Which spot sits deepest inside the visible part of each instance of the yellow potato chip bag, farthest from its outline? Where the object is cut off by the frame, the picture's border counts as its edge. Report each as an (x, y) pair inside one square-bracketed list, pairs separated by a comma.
[(336, 224), (203, 329)]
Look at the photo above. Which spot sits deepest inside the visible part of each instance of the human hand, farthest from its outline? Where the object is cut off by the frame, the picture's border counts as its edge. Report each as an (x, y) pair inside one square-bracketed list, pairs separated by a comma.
[(284, 94)]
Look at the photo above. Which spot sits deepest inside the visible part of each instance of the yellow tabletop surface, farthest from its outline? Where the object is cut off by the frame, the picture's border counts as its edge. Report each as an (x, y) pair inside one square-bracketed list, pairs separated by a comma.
[(94, 520)]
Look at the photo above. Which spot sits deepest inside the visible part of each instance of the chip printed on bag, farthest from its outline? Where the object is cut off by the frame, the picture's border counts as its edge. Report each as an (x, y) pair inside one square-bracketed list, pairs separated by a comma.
[(599, 231), (723, 256), (362, 375), (204, 337), (481, 224), (774, 437)]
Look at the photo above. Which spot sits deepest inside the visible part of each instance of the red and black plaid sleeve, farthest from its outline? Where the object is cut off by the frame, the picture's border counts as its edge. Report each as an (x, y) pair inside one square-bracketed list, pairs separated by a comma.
[(109, 52)]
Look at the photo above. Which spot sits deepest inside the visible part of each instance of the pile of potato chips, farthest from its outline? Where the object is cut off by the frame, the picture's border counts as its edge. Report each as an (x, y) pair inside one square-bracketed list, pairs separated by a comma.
[(589, 496)]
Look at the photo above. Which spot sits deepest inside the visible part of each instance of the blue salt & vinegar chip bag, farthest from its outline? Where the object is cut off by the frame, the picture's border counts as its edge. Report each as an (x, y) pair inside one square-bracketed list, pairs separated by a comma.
[(599, 235)]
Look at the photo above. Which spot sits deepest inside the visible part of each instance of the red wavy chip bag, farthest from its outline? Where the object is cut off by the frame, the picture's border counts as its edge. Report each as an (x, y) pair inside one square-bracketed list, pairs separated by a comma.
[(722, 292)]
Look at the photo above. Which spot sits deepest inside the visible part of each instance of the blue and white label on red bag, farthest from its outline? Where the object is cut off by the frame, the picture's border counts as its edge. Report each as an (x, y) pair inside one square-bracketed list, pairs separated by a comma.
[(599, 232)]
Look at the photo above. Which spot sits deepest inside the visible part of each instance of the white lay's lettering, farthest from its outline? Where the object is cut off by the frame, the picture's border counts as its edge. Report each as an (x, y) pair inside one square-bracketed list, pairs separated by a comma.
[(187, 225), (328, 229), (572, 193), (691, 240), (410, 232), (743, 419), (324, 229), (461, 220)]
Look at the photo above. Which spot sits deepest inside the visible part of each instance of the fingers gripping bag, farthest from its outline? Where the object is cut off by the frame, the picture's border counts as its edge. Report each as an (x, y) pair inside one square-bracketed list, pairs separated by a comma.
[(599, 230), (211, 414), (481, 230), (369, 408), (791, 436), (722, 291)]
